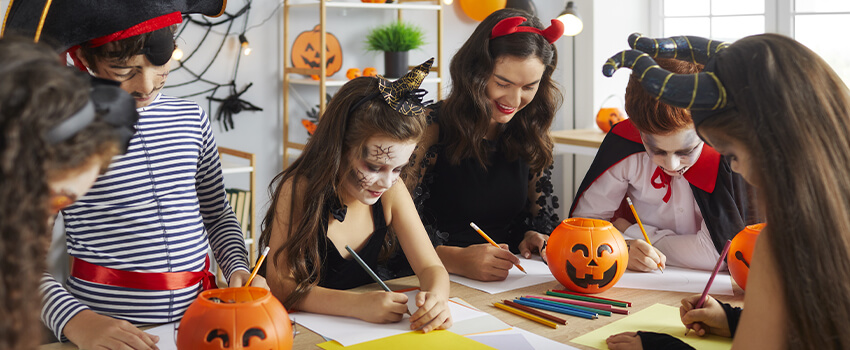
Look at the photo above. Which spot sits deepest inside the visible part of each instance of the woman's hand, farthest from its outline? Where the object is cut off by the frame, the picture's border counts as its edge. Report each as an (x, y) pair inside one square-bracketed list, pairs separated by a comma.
[(533, 242), (381, 307), (90, 330), (624, 341), (239, 277), (433, 312), (644, 257), (710, 318)]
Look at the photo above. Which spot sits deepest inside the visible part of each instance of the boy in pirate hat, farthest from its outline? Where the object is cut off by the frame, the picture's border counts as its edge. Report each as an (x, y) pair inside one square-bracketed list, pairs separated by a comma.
[(139, 238)]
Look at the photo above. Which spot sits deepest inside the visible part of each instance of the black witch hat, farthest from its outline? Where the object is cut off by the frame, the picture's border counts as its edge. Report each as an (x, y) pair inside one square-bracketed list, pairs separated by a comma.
[(403, 94), (703, 93)]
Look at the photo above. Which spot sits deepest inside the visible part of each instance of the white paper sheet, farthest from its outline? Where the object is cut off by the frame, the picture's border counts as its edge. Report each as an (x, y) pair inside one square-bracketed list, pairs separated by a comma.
[(167, 340), (509, 340), (538, 273), (348, 331), (677, 279)]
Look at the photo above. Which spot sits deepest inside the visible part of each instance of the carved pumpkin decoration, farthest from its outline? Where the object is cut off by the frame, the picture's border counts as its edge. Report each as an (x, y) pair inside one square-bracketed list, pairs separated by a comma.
[(607, 117), (235, 318), (741, 253), (352, 73), (370, 72), (305, 51), (587, 255)]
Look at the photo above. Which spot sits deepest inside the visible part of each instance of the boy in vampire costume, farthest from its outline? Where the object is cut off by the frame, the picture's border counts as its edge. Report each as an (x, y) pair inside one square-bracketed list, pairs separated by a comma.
[(139, 238), (685, 193)]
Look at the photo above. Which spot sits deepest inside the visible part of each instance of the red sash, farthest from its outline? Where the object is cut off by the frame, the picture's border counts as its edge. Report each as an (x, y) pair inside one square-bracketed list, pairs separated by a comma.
[(142, 280)]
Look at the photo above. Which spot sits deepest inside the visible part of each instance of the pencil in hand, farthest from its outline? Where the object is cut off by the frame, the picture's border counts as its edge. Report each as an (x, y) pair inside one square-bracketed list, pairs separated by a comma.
[(257, 267), (704, 295), (370, 272), (477, 229), (640, 224)]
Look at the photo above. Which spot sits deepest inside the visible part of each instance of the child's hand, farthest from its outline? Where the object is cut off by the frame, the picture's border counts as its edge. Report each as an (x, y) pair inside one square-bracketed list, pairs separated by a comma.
[(624, 341), (89, 330), (533, 242), (239, 277), (433, 312), (484, 262), (644, 257), (709, 319), (381, 307)]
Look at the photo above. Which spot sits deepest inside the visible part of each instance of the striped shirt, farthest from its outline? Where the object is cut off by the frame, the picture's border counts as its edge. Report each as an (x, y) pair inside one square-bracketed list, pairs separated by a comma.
[(159, 208)]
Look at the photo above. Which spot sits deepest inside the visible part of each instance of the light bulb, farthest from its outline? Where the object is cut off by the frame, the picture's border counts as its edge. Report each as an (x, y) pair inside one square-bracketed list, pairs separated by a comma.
[(177, 55), (572, 22), (448, 2), (246, 50)]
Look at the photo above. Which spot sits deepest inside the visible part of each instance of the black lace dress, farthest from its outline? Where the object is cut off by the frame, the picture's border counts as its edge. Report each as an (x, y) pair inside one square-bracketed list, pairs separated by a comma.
[(505, 200)]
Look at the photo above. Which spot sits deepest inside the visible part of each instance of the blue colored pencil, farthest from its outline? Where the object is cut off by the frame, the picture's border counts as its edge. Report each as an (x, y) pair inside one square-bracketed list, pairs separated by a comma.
[(557, 309), (579, 307), (568, 307)]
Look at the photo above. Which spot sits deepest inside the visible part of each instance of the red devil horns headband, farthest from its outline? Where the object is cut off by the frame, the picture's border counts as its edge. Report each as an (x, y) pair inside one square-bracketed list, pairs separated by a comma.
[(511, 25)]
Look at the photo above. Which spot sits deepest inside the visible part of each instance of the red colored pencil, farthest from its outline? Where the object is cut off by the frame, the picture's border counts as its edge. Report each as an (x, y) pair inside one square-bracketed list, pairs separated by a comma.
[(591, 296), (711, 279), (599, 306), (532, 311)]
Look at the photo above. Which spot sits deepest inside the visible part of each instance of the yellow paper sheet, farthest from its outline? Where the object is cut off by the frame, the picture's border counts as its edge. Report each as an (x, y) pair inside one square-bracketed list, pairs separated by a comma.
[(656, 318), (413, 341)]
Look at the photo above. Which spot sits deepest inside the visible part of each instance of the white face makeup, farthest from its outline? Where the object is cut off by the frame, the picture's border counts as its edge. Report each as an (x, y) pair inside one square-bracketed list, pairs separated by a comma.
[(513, 85), (674, 152), (138, 76), (378, 169)]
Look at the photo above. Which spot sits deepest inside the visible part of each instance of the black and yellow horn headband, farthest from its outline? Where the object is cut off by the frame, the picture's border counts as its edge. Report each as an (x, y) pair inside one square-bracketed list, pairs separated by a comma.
[(703, 93), (404, 94)]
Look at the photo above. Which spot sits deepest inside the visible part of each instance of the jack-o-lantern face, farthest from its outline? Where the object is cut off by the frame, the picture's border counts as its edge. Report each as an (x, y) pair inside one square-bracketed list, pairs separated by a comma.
[(607, 117), (587, 255), (741, 253), (306, 54), (235, 318)]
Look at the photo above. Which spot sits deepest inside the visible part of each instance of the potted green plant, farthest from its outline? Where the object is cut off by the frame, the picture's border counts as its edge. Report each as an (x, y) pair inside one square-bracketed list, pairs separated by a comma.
[(395, 40)]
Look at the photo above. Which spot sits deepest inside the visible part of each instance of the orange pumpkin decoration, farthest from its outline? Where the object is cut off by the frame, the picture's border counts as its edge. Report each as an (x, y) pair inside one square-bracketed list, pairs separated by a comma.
[(235, 318), (480, 9), (309, 125), (352, 73), (374, 1), (587, 255), (370, 72), (305, 53), (607, 117), (741, 253)]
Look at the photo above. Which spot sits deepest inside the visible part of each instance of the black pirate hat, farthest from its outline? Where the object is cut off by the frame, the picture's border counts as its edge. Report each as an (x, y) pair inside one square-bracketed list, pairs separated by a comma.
[(703, 93), (68, 23)]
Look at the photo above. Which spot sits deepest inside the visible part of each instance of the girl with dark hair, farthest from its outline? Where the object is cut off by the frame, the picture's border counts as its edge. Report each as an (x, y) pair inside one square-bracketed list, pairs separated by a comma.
[(55, 141), (686, 195), (343, 191), (780, 114), (487, 155)]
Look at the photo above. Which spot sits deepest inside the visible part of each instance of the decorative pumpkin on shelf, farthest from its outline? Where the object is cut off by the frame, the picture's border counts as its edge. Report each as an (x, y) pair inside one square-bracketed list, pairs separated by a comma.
[(480, 9), (352, 73), (305, 51), (235, 318), (741, 253), (587, 255), (370, 72)]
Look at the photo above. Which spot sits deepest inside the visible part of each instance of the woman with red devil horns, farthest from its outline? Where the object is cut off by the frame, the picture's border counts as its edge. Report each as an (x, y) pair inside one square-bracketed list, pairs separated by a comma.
[(487, 155), (782, 116)]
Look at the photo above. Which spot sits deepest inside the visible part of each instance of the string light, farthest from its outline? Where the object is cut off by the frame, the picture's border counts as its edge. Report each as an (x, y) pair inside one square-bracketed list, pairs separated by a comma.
[(177, 55), (243, 41), (448, 2)]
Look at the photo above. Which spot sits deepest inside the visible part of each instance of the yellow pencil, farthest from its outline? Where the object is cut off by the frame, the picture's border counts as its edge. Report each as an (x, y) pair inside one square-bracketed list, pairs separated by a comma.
[(526, 315), (640, 224), (257, 267), (493, 243)]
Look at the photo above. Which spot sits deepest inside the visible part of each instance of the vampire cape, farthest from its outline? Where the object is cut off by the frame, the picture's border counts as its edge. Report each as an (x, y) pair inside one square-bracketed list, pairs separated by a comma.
[(720, 194)]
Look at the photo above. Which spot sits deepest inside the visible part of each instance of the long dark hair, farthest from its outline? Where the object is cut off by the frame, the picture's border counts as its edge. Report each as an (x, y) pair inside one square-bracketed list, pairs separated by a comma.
[(466, 112), (37, 92), (317, 177), (793, 115)]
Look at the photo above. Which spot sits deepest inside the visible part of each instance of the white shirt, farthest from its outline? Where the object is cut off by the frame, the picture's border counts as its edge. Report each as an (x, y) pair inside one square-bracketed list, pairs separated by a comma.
[(676, 227)]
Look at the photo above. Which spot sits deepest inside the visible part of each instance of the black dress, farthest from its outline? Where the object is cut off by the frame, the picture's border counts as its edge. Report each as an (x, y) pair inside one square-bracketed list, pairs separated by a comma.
[(450, 196)]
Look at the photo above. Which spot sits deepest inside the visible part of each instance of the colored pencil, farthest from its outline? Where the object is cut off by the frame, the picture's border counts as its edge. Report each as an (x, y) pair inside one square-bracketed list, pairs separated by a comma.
[(640, 224), (558, 309), (477, 229), (569, 306), (532, 311), (597, 299), (602, 311), (370, 272), (702, 298), (257, 267), (592, 305), (526, 315)]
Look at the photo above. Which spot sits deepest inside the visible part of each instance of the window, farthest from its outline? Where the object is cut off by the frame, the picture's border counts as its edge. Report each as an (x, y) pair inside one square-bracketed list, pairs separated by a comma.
[(817, 24)]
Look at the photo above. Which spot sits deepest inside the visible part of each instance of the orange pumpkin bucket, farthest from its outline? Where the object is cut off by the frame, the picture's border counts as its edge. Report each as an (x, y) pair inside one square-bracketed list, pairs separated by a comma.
[(587, 255), (741, 253), (608, 116), (235, 318)]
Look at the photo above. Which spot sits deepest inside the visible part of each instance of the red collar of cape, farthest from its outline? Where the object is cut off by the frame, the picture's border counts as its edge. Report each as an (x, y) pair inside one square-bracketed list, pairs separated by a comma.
[(703, 174)]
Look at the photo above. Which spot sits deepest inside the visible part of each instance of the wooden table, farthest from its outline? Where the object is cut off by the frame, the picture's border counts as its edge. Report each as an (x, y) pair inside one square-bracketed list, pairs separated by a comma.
[(639, 298), (577, 141)]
